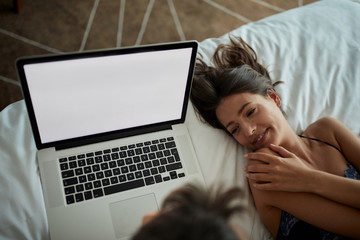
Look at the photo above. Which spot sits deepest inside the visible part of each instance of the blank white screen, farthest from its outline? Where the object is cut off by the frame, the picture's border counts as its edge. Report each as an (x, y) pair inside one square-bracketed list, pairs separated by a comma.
[(82, 97)]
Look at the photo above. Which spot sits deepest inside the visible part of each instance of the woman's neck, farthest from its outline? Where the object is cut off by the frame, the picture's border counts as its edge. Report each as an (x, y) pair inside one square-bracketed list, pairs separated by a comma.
[(298, 146)]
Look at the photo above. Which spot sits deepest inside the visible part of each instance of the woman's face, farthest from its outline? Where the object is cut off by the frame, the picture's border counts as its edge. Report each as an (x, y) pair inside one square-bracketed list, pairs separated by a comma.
[(254, 120)]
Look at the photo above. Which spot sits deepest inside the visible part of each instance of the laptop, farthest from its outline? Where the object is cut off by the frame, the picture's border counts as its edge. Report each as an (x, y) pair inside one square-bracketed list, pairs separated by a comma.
[(109, 128)]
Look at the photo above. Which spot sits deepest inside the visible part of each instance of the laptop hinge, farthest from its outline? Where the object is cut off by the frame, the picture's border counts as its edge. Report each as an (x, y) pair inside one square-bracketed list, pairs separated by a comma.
[(108, 137)]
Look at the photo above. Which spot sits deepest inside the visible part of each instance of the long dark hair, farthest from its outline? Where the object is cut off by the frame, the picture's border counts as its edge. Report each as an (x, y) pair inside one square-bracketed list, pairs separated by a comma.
[(236, 70), (193, 213)]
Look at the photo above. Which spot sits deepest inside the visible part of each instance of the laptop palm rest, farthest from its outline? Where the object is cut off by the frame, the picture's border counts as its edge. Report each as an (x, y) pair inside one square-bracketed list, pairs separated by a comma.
[(127, 214)]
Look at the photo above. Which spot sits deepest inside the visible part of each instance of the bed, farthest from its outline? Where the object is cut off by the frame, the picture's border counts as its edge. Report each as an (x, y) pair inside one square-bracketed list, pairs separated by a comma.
[(314, 50)]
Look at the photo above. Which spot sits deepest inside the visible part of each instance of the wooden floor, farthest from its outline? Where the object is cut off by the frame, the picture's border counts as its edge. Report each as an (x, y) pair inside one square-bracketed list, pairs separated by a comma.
[(48, 27)]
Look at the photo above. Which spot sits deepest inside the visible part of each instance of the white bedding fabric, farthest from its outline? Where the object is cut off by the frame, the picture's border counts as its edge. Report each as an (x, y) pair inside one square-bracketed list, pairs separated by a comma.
[(314, 50)]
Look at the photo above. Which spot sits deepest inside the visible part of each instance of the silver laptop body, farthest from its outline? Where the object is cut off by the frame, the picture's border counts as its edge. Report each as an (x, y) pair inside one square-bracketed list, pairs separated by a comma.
[(109, 128)]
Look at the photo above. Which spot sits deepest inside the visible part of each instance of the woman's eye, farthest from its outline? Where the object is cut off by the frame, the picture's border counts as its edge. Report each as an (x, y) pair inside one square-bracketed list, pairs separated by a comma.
[(234, 130), (251, 112)]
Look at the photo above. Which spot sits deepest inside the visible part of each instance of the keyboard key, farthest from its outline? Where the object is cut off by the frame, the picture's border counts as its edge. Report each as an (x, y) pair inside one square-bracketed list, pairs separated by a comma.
[(123, 154), (91, 177), (79, 188), (173, 175), (98, 159), (170, 144), (90, 154), (112, 164), (124, 170), (96, 167), (82, 178), (154, 171), (81, 163), (138, 151), (130, 176), (114, 180), (104, 166), (131, 153), (140, 166), (158, 178), (70, 181), (89, 161), (73, 164), (108, 173), (124, 186), (69, 190), (98, 193), (138, 174), (78, 171), (122, 178), (132, 168), (66, 174), (162, 169), (173, 166), (146, 149), (88, 195), (79, 197), (105, 182), (64, 166), (87, 169), (136, 159), (99, 175), (120, 162), (149, 180), (107, 157), (97, 184), (116, 171), (146, 173), (128, 161), (70, 199), (114, 156), (88, 186)]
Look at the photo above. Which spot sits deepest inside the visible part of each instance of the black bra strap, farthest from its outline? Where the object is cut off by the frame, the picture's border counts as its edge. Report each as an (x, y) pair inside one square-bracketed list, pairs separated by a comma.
[(318, 140)]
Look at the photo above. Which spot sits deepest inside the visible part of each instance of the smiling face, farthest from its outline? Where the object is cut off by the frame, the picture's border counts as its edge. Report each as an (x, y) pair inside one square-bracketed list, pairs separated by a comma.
[(253, 120)]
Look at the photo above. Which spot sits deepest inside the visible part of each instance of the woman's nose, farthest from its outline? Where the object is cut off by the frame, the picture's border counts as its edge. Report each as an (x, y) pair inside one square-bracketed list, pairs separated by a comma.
[(249, 129)]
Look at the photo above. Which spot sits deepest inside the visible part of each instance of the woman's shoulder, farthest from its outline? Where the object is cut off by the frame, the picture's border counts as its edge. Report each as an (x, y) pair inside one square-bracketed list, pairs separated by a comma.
[(322, 128), (324, 122)]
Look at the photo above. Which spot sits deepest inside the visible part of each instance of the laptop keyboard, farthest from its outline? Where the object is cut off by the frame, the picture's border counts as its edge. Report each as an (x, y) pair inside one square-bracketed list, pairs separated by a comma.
[(96, 174)]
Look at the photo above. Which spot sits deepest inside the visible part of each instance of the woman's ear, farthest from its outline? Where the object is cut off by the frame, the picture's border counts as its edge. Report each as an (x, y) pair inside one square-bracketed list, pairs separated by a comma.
[(274, 96)]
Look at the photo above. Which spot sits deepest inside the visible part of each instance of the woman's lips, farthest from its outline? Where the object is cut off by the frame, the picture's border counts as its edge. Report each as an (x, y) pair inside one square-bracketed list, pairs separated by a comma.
[(260, 138)]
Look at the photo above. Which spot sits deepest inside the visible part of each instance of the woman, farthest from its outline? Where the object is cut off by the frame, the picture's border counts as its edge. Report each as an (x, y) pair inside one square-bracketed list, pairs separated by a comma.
[(191, 212), (310, 198)]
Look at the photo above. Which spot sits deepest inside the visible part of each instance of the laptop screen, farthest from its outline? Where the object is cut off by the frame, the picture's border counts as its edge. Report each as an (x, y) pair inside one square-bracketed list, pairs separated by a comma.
[(73, 98)]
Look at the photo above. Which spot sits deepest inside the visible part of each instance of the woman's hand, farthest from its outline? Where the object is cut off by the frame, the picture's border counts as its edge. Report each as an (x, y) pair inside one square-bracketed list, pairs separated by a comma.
[(148, 217), (285, 172)]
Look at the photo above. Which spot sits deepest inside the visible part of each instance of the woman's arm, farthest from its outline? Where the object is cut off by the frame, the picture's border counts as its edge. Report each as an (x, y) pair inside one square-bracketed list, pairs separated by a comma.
[(311, 208), (288, 173)]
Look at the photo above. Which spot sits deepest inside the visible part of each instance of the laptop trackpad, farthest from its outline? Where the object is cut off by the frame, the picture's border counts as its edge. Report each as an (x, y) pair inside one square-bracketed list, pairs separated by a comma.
[(127, 214)]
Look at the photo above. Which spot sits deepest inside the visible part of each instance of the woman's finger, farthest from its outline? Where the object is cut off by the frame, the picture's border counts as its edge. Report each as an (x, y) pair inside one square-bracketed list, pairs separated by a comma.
[(263, 157), (281, 151), (257, 168), (260, 177)]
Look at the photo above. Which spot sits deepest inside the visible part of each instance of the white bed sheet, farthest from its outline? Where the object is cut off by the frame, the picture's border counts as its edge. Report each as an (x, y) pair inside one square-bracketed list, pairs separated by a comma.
[(315, 50)]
